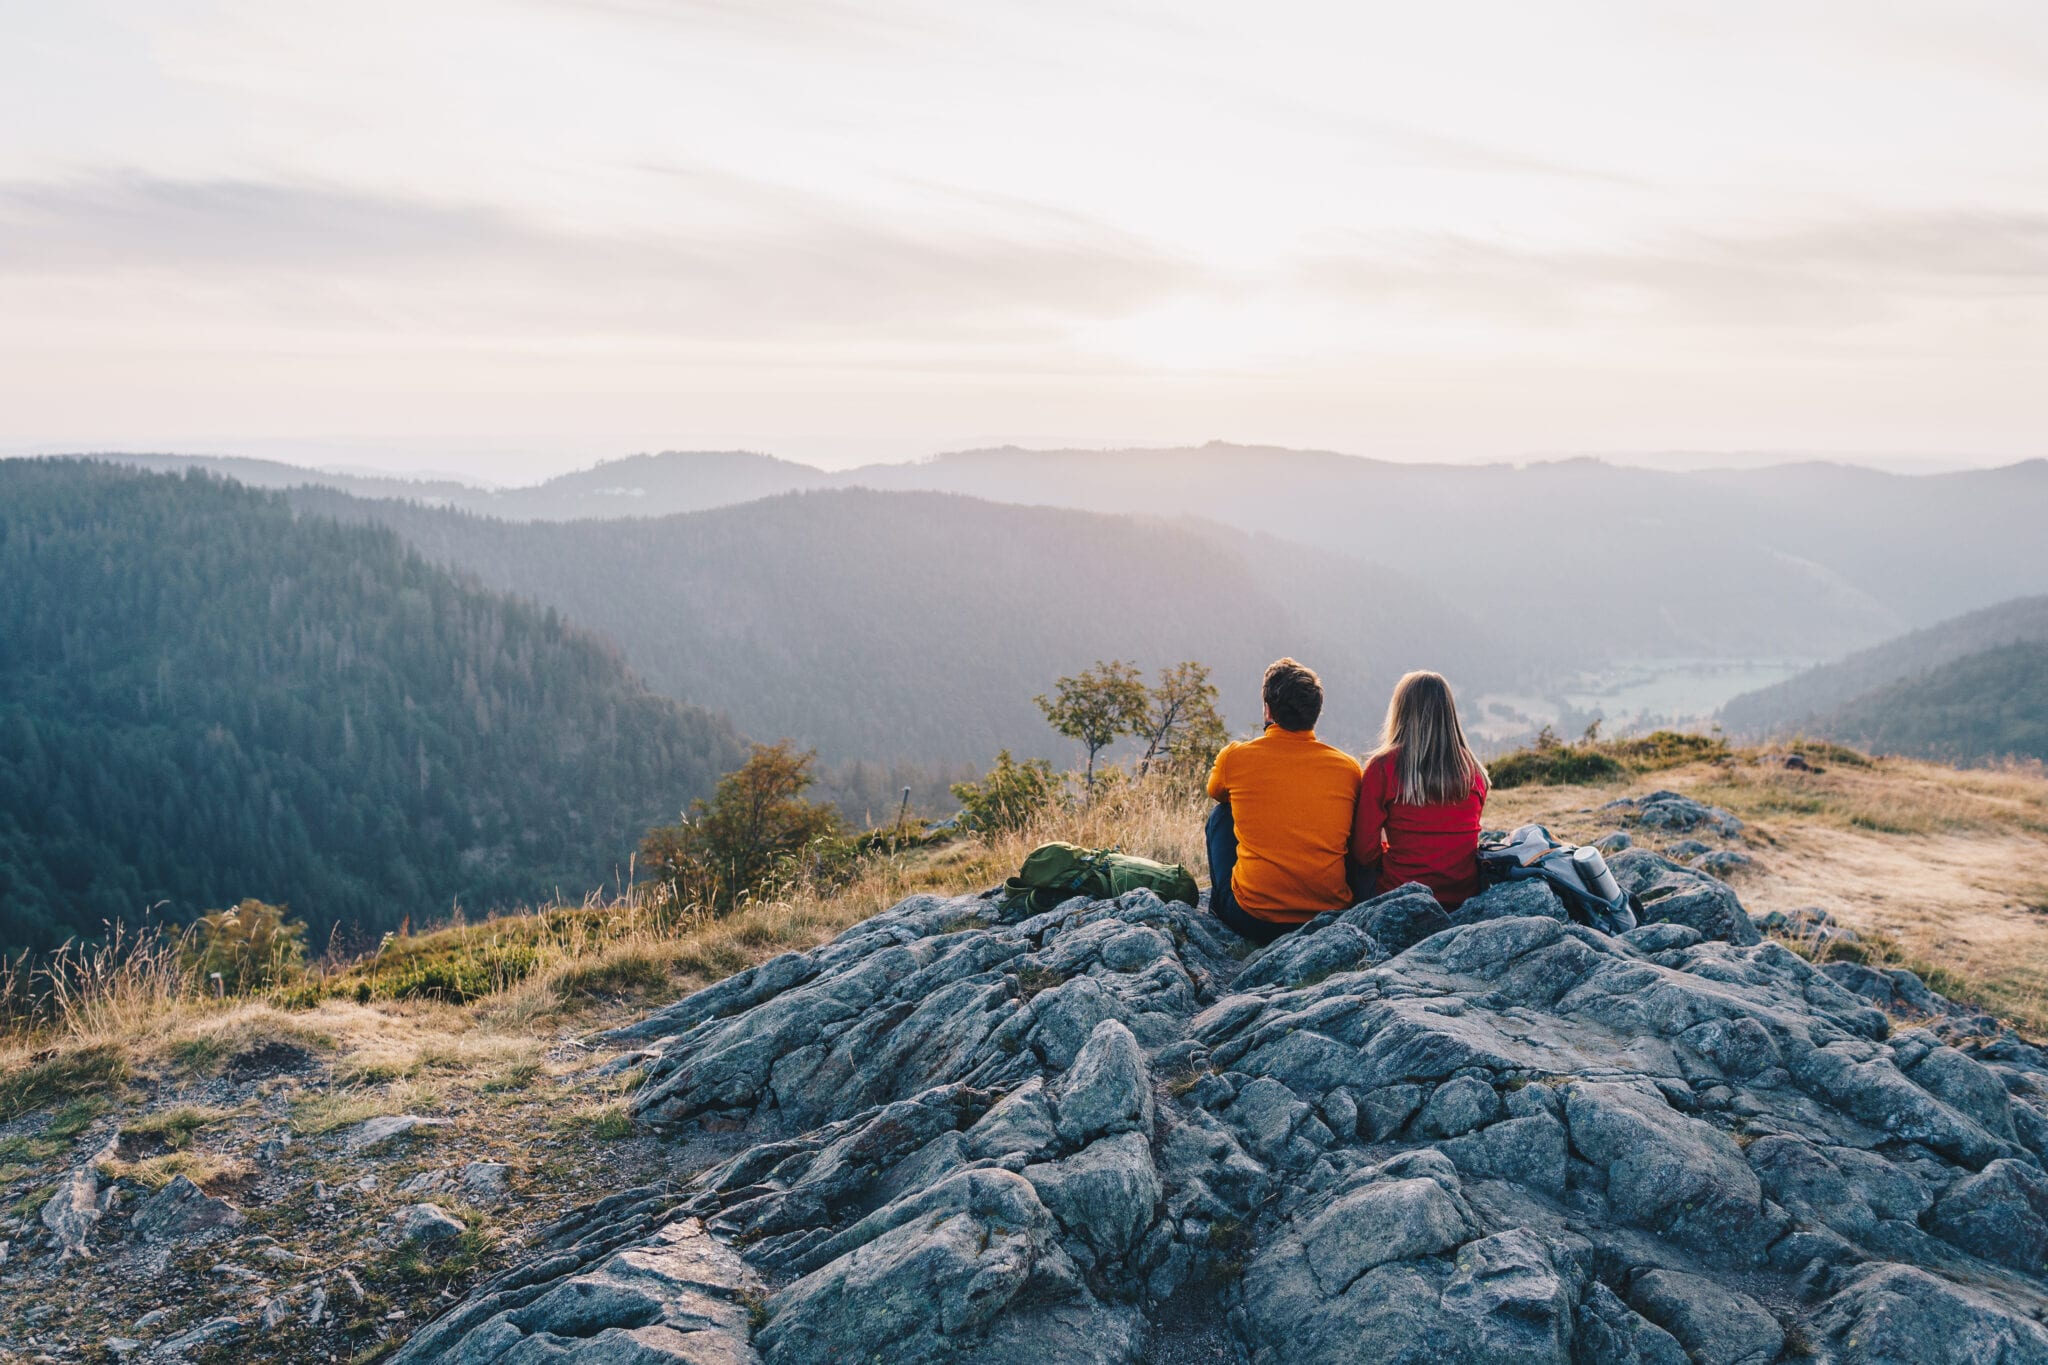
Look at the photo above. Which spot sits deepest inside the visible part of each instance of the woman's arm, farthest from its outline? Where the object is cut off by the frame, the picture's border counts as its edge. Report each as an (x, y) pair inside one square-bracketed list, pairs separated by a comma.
[(1368, 827)]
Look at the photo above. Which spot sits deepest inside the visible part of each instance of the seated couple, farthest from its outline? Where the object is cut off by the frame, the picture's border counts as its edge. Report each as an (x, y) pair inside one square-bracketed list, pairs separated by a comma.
[(1300, 828)]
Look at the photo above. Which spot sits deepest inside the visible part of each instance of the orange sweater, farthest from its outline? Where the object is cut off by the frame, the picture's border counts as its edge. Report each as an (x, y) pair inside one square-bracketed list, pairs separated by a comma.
[(1292, 798)]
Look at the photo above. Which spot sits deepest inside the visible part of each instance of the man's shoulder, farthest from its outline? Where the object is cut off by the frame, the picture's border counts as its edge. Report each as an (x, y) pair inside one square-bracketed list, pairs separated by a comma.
[(1336, 757)]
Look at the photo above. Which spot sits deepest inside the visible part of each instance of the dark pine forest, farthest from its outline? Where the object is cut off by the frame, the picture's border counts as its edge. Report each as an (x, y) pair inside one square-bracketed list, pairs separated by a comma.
[(205, 697)]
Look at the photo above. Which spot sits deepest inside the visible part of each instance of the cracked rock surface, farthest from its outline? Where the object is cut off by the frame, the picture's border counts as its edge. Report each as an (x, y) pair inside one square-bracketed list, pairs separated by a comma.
[(1096, 1135)]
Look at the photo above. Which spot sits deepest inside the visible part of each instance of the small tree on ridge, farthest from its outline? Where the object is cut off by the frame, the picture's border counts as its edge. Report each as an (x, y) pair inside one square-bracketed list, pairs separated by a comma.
[(1096, 706)]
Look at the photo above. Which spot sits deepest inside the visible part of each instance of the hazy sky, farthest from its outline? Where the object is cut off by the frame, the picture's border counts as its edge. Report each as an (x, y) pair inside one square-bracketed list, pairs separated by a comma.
[(508, 237)]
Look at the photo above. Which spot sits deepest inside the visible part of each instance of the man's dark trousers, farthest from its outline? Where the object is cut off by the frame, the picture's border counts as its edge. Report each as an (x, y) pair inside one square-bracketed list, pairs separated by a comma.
[(1222, 863)]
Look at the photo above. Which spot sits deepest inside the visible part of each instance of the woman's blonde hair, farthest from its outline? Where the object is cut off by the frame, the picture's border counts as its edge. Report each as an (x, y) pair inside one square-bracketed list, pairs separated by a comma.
[(1432, 762)]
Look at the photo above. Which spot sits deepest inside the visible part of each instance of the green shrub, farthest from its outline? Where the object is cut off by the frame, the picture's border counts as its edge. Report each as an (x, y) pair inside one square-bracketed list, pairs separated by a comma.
[(757, 833), (460, 977), (1564, 765), (1011, 796), (249, 947)]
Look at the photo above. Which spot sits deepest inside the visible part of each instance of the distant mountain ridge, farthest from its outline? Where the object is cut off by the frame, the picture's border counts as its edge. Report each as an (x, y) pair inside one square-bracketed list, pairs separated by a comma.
[(204, 697), (635, 486), (1795, 561), (920, 625)]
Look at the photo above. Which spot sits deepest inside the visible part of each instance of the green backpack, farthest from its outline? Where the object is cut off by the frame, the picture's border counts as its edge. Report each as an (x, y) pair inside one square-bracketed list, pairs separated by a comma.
[(1057, 872)]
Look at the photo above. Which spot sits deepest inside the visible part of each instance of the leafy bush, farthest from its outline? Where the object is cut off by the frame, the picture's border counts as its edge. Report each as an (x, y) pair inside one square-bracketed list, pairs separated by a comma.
[(247, 948), (1557, 766), (1010, 796), (751, 837)]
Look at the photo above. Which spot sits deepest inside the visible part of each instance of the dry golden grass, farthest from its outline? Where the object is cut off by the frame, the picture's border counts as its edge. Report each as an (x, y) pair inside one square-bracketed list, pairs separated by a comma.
[(574, 964), (204, 1169)]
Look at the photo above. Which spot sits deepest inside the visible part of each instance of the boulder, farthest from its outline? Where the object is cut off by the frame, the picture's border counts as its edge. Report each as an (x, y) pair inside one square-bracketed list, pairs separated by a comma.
[(373, 1134), (426, 1224), (1715, 1325), (677, 1298), (1399, 919), (1529, 896), (1104, 1195), (1672, 894), (1679, 1175), (181, 1209), (1299, 958), (71, 1213), (1457, 1107), (1999, 1214), (1612, 1333), (1108, 1089), (1888, 1314), (1672, 813)]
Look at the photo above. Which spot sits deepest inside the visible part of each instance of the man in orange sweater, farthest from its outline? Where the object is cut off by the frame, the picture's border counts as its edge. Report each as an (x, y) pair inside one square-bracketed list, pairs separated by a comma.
[(1280, 835)]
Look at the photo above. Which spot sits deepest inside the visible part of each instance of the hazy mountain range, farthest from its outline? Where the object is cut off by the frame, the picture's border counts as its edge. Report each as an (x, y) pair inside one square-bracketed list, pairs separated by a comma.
[(1573, 557), (920, 625)]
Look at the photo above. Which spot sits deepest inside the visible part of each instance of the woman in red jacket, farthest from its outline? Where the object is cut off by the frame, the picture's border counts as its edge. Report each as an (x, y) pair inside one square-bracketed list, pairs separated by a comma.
[(1419, 805)]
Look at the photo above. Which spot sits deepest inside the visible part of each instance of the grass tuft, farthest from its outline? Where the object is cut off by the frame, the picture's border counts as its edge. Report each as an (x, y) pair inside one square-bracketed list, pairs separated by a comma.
[(60, 1074)]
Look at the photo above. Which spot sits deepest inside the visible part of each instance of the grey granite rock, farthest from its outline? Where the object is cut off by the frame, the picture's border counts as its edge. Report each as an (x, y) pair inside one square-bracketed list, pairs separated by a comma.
[(1512, 900), (1672, 813), (1107, 1090), (1612, 1333), (427, 1224), (1300, 958), (373, 1134), (1399, 919), (1674, 894), (1900, 1315), (72, 1211), (977, 1134), (2000, 1214), (182, 1209), (1715, 1325), (1458, 1106)]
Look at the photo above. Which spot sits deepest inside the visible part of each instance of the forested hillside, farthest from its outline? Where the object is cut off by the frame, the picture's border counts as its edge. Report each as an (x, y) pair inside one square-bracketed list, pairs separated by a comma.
[(204, 697), (887, 626), (1810, 700), (1989, 705)]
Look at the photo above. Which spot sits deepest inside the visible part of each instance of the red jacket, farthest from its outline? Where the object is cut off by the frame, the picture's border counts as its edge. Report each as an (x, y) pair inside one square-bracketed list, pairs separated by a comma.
[(1435, 845)]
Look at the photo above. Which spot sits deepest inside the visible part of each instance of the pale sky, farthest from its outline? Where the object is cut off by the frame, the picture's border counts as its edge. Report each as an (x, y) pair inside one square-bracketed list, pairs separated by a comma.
[(506, 238)]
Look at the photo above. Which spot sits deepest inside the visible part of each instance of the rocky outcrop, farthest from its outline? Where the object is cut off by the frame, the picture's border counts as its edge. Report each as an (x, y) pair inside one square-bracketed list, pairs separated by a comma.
[(1391, 1136)]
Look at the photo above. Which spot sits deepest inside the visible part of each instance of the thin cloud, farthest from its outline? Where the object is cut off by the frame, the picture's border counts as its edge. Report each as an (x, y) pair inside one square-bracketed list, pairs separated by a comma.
[(790, 261), (1835, 273)]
